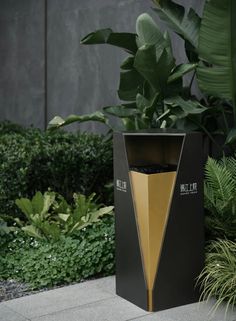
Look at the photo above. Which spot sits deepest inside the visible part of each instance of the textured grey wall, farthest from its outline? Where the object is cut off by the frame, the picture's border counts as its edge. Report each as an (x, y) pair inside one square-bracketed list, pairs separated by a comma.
[(22, 61), (80, 79)]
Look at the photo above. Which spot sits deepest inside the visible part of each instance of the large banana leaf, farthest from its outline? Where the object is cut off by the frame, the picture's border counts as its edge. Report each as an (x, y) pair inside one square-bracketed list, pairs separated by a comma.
[(122, 111), (217, 46), (154, 59), (180, 71), (153, 65), (148, 32), (131, 83), (58, 121), (185, 24), (123, 40), (184, 107)]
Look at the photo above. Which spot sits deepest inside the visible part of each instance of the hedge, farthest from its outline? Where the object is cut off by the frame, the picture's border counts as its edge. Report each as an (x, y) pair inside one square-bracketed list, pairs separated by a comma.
[(32, 160)]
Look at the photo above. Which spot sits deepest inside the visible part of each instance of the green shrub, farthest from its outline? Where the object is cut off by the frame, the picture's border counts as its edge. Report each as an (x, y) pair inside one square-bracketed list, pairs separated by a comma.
[(45, 264), (5, 234), (218, 278), (7, 127), (220, 197), (49, 216), (32, 160)]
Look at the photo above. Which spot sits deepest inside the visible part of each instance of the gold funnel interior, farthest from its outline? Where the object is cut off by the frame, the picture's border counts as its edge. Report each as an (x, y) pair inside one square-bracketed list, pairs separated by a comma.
[(152, 196)]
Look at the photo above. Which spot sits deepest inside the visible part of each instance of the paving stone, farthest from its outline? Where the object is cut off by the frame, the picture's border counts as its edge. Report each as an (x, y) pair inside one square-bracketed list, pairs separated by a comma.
[(114, 309), (60, 299), (106, 284), (7, 314), (191, 312)]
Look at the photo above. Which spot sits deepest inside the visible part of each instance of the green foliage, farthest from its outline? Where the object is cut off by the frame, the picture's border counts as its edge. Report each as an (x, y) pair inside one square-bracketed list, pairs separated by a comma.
[(220, 197), (49, 216), (185, 24), (149, 78), (7, 127), (32, 160), (5, 233), (208, 42), (41, 263), (218, 277)]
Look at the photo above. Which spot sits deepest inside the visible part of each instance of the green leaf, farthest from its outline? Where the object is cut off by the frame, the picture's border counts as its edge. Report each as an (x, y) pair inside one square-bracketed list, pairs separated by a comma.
[(129, 124), (180, 71), (154, 65), (25, 206), (50, 230), (127, 63), (123, 40), (101, 212), (231, 138), (150, 109), (131, 83), (37, 202), (48, 200), (184, 24), (32, 231), (217, 46), (148, 32), (122, 111), (58, 121), (63, 217), (142, 102), (188, 106)]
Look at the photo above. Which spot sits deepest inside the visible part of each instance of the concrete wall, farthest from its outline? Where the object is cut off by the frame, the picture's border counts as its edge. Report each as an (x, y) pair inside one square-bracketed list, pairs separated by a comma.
[(79, 79)]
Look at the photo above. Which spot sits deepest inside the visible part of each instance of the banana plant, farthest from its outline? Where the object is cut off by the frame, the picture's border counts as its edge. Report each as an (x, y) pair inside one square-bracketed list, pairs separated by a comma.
[(185, 24), (149, 80), (216, 73), (209, 41)]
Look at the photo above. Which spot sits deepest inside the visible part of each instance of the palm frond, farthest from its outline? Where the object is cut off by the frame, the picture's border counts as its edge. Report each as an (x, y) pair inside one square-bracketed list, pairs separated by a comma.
[(220, 185), (230, 164)]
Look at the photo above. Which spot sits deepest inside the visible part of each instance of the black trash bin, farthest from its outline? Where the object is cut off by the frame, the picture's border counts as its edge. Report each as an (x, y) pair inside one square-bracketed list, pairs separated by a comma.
[(159, 217)]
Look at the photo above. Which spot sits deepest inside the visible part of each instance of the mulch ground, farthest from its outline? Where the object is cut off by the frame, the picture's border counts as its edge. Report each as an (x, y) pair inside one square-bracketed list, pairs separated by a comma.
[(12, 289)]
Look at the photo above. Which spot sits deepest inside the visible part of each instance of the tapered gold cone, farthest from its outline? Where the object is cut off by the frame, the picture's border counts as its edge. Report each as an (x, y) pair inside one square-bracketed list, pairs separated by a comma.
[(152, 195)]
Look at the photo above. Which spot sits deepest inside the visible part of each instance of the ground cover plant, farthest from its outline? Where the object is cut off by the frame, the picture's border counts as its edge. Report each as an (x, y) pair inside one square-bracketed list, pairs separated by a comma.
[(41, 263)]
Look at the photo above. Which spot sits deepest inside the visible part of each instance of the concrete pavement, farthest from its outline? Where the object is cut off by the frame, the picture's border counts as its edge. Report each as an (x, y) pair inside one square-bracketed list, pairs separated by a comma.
[(96, 301)]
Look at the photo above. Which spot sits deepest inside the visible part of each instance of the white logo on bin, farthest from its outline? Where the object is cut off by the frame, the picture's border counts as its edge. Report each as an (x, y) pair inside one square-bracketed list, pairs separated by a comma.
[(121, 185), (186, 189)]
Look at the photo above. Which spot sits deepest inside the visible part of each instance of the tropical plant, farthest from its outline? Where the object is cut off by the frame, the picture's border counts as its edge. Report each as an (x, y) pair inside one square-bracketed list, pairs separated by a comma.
[(218, 277), (220, 197), (151, 82), (49, 215), (216, 73)]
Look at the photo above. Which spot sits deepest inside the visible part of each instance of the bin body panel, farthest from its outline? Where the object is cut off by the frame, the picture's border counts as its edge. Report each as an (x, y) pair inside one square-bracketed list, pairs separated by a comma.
[(179, 256), (182, 257), (130, 282)]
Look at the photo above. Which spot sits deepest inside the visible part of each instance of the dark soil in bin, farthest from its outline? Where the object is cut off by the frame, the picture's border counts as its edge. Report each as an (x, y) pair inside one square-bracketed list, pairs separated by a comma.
[(154, 168)]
